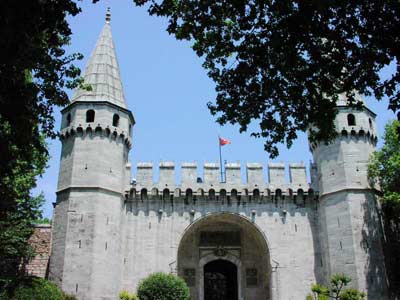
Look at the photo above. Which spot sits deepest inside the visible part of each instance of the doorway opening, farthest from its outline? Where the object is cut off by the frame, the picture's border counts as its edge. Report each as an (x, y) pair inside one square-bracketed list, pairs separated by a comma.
[(220, 280)]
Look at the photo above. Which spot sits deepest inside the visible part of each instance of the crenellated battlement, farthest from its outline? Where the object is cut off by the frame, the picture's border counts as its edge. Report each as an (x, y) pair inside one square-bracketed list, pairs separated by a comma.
[(101, 130), (210, 186)]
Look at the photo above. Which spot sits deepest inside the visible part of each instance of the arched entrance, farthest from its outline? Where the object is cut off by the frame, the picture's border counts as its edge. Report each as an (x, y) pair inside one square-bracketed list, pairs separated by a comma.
[(225, 256), (220, 280)]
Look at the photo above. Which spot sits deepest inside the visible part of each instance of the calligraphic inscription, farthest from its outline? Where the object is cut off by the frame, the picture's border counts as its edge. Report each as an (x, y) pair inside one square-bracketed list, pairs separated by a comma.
[(189, 276), (251, 277), (220, 238)]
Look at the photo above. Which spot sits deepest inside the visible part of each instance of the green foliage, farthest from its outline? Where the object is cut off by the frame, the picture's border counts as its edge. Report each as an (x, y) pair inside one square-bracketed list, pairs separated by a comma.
[(19, 216), (337, 290), (43, 221), (160, 286), (35, 72), (37, 289), (69, 297), (125, 295), (282, 63), (384, 169)]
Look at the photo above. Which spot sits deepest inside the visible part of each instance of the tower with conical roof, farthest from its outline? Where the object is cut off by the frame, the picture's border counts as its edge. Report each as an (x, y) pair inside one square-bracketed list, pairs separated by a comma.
[(350, 232), (94, 175)]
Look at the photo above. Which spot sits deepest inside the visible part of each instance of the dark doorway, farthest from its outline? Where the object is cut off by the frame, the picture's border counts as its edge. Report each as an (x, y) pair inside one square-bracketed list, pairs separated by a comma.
[(220, 281)]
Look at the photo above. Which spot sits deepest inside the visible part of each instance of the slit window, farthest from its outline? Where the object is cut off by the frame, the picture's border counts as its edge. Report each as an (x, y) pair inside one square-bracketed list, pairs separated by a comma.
[(90, 116), (116, 120), (211, 194), (351, 120), (256, 194), (68, 119), (189, 195), (143, 194), (166, 194)]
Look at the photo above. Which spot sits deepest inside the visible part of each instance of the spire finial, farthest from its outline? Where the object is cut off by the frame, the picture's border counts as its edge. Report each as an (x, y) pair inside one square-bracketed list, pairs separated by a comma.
[(108, 15)]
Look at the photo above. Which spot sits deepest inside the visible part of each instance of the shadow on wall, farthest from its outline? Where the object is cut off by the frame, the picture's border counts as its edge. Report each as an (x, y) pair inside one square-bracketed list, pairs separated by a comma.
[(372, 245), (391, 246)]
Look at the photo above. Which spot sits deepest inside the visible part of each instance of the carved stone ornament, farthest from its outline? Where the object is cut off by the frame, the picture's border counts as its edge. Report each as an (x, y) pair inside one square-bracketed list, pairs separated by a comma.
[(220, 251)]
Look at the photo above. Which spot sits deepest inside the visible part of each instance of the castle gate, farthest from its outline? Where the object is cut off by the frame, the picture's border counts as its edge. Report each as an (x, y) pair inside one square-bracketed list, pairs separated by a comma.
[(224, 256)]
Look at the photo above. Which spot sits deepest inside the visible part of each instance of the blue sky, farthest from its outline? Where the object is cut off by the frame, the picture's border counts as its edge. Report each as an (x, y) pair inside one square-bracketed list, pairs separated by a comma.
[(167, 89)]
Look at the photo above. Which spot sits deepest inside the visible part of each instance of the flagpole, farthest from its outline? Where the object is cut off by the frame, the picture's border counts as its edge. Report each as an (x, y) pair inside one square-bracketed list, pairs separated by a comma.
[(220, 159)]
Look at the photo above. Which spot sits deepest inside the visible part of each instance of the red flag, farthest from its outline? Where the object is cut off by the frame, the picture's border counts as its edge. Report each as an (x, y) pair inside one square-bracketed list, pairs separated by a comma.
[(223, 142)]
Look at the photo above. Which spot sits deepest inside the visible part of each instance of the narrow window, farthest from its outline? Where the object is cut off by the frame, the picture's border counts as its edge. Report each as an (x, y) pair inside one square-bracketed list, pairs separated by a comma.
[(211, 194), (90, 116), (278, 195), (370, 123), (189, 196), (116, 120), (69, 119), (143, 194), (256, 195), (351, 120), (222, 195), (166, 194), (234, 194)]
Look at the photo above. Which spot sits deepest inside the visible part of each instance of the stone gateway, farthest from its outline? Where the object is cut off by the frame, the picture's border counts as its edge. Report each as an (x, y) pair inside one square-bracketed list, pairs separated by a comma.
[(232, 240)]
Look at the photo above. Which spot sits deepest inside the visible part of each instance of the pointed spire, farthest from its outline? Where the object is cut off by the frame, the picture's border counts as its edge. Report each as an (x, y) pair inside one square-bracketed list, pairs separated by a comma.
[(102, 71)]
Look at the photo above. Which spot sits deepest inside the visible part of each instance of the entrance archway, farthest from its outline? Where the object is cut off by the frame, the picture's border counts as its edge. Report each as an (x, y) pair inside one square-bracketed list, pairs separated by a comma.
[(220, 280), (215, 247)]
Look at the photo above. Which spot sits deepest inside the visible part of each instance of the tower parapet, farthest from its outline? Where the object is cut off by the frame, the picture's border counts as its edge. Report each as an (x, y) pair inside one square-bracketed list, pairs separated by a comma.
[(210, 185)]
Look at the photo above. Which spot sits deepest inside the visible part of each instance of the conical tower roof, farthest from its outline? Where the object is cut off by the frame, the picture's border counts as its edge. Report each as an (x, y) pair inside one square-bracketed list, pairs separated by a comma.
[(102, 72)]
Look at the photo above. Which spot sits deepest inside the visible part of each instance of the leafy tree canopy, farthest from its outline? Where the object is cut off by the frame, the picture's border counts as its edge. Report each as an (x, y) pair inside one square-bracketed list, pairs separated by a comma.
[(284, 63), (34, 73), (384, 168)]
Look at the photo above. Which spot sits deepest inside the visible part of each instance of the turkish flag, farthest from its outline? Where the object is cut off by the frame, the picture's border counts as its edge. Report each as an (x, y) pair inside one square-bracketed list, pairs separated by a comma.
[(223, 142)]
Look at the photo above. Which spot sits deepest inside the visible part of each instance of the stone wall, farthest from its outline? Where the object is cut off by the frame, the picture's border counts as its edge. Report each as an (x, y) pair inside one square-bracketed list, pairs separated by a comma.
[(41, 243)]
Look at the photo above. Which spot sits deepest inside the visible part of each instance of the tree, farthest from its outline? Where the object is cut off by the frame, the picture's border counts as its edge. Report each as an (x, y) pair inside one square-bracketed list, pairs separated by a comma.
[(384, 174), (16, 223), (34, 73), (284, 63), (384, 169), (337, 291)]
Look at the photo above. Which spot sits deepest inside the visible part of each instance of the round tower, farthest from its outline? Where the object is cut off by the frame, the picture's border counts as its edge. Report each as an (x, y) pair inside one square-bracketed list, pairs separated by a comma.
[(93, 178), (350, 231)]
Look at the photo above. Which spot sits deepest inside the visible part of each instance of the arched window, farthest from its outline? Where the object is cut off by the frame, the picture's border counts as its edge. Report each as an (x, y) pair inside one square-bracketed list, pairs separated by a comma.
[(143, 194), (234, 194), (211, 194), (256, 195), (69, 119), (278, 195), (300, 196), (116, 120), (130, 129), (222, 195), (370, 123), (166, 194), (90, 116), (189, 196), (351, 120)]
